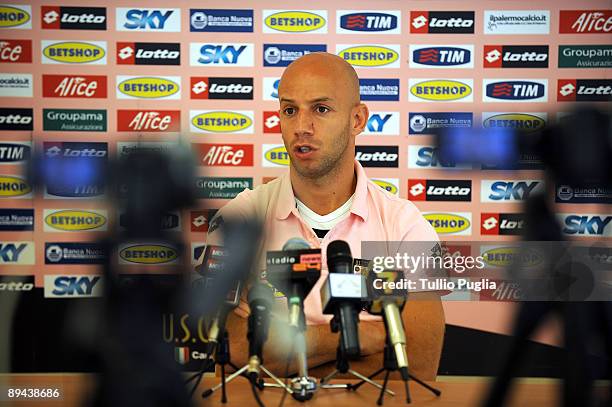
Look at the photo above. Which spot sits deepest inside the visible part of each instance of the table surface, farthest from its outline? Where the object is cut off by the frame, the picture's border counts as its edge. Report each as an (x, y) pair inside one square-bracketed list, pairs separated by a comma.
[(456, 391)]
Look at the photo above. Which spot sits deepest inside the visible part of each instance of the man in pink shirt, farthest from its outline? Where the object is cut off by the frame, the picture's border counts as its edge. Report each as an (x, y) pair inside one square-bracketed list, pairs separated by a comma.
[(327, 196)]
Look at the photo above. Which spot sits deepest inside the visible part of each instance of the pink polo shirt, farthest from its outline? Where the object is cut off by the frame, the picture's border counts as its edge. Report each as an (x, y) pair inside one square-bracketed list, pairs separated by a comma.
[(375, 215)]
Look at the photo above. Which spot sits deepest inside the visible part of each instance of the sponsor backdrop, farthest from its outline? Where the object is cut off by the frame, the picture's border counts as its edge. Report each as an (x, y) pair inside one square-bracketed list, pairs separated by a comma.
[(100, 82)]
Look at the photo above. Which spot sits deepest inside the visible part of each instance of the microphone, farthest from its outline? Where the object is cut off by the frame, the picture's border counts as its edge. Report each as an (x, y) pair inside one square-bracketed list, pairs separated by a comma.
[(390, 303), (216, 279), (260, 301), (294, 271), (341, 296)]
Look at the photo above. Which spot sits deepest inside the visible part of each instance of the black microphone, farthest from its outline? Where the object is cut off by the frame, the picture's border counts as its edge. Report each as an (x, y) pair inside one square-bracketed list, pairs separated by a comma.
[(341, 296), (390, 304), (260, 301), (216, 281)]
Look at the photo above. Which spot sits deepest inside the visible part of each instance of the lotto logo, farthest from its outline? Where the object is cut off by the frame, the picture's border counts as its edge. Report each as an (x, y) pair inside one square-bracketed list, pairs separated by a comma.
[(271, 122)]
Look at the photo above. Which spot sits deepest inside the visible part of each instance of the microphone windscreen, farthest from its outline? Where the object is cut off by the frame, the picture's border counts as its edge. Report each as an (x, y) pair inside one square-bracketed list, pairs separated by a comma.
[(296, 243), (262, 293), (339, 250)]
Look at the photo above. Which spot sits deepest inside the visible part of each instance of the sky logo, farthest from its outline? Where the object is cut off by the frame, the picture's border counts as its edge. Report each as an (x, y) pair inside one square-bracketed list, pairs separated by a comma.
[(383, 124), (221, 54), (165, 19)]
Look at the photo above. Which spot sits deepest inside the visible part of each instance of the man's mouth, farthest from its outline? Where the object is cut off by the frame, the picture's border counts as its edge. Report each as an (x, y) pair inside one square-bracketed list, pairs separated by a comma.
[(304, 148)]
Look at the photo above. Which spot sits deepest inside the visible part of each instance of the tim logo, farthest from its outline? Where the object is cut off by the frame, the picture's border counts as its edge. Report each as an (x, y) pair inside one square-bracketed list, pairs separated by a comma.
[(369, 22), (517, 91), (431, 56)]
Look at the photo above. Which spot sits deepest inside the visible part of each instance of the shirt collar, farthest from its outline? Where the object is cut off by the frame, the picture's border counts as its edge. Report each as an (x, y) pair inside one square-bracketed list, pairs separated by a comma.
[(286, 198)]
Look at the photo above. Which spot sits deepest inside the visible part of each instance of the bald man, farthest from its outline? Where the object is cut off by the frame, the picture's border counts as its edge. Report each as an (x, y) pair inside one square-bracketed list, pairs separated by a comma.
[(326, 196)]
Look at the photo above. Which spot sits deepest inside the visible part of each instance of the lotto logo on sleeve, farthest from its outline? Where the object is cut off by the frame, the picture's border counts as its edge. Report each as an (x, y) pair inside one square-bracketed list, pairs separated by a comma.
[(15, 16), (149, 120), (15, 51), (515, 90), (515, 56), (442, 22), (440, 190), (199, 220), (148, 53), (221, 88), (439, 56), (72, 18), (501, 223), (148, 19), (294, 21), (584, 90), (223, 155), (585, 21), (271, 122), (220, 20), (368, 21), (284, 54), (75, 86), (202, 54)]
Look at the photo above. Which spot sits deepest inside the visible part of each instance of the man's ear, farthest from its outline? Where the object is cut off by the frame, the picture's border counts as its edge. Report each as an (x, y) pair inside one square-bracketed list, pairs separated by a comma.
[(360, 115)]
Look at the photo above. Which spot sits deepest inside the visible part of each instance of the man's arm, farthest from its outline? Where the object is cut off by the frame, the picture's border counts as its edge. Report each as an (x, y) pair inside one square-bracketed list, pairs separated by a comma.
[(321, 343)]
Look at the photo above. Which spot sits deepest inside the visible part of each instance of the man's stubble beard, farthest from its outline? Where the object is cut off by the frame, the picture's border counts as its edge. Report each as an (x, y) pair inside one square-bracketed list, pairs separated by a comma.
[(329, 163)]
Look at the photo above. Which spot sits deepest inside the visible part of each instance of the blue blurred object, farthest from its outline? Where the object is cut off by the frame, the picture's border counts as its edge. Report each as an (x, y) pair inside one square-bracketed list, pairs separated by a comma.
[(495, 147)]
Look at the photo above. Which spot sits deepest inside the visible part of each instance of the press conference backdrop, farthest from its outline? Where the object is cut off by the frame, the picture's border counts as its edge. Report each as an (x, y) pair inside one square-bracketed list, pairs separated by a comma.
[(93, 80)]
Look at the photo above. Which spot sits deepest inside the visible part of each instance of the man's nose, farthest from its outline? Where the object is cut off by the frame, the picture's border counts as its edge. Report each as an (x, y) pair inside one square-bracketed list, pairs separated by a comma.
[(304, 124)]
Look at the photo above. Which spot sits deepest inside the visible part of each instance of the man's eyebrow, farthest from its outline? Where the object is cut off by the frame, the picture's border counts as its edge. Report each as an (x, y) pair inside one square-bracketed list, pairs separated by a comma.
[(316, 100)]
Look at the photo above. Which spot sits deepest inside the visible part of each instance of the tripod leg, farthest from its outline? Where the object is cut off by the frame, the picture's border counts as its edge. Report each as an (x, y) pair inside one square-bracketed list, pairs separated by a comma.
[(422, 383), (367, 380), (382, 391), (357, 385), (407, 388), (223, 393)]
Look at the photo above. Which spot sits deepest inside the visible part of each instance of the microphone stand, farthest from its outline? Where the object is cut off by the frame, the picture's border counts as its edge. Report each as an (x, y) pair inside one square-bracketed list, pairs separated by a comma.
[(223, 358), (390, 365), (343, 366)]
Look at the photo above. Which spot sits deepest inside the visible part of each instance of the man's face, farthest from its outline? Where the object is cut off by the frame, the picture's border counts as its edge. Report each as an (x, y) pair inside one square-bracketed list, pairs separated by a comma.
[(315, 117)]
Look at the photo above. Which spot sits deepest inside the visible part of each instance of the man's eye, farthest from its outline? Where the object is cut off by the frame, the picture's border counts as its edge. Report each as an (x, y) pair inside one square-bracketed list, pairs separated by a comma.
[(322, 109), (289, 111)]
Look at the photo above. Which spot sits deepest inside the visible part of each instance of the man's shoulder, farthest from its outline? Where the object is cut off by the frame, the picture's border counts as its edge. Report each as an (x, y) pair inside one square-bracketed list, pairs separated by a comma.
[(251, 202), (400, 215)]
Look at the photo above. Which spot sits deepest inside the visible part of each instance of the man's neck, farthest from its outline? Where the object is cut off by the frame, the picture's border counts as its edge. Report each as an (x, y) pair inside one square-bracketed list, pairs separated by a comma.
[(325, 194)]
